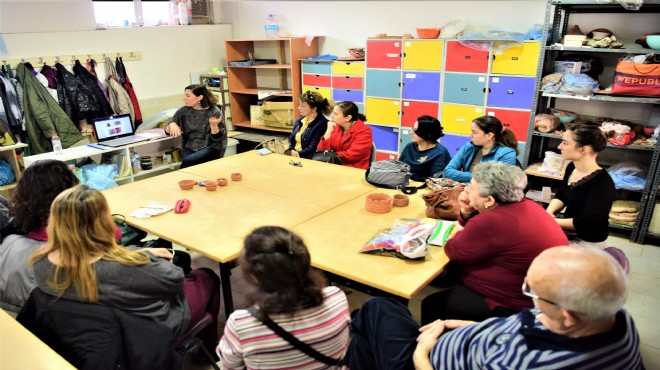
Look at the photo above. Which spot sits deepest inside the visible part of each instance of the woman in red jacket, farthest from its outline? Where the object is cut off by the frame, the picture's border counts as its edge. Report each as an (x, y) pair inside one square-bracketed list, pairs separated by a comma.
[(349, 136)]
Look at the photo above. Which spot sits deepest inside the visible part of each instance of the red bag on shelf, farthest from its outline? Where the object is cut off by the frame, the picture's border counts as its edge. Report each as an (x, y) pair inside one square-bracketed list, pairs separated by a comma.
[(636, 79)]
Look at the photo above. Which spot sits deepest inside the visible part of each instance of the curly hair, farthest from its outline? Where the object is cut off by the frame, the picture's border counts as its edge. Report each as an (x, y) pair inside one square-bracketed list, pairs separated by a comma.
[(35, 191), (277, 263)]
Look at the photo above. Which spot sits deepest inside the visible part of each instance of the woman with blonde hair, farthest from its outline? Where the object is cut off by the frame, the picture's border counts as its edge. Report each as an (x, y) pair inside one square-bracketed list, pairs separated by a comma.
[(82, 262)]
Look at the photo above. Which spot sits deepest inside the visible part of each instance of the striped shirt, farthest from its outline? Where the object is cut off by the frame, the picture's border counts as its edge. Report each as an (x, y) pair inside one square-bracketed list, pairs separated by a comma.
[(522, 342), (247, 343)]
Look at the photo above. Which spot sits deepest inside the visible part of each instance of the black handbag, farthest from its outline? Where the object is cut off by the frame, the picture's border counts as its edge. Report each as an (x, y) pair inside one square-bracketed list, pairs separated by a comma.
[(129, 234), (327, 156)]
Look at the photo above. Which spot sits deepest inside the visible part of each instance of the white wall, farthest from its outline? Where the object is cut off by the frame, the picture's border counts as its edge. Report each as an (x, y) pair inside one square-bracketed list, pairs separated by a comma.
[(349, 23)]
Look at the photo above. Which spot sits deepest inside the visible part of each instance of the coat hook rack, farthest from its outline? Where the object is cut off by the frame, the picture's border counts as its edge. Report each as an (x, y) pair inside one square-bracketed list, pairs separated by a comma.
[(70, 59)]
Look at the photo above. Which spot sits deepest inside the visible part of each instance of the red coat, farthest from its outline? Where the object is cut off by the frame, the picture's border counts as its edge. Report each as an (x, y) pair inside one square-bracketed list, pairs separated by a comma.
[(354, 148), (496, 247)]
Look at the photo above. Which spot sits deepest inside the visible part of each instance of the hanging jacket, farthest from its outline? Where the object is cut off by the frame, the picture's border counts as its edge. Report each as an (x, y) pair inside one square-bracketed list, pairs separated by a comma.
[(131, 92), (92, 83), (91, 67), (43, 115), (11, 108), (79, 101), (120, 101)]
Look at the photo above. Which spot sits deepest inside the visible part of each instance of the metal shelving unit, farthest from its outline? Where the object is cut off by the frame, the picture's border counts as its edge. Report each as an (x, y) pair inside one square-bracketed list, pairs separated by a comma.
[(557, 17)]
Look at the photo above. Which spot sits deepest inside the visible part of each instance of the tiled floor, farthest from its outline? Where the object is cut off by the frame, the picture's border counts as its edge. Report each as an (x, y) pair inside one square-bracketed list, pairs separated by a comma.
[(643, 301)]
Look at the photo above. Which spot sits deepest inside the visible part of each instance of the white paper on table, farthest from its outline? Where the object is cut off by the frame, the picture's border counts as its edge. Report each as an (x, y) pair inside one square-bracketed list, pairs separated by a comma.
[(153, 209)]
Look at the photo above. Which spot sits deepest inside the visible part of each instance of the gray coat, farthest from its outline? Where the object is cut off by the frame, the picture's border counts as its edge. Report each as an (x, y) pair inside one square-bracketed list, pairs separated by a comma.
[(16, 278)]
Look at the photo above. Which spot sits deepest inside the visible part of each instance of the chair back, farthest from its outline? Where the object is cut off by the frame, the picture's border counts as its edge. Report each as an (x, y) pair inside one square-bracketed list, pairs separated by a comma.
[(372, 158), (620, 257)]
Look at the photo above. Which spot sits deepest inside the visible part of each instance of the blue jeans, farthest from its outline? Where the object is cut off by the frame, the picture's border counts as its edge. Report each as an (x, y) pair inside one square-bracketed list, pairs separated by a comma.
[(191, 158), (383, 337)]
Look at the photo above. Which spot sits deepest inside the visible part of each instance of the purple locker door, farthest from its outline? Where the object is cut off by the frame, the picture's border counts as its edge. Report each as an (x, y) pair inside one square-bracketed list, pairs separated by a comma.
[(421, 86), (453, 143), (385, 138), (511, 92)]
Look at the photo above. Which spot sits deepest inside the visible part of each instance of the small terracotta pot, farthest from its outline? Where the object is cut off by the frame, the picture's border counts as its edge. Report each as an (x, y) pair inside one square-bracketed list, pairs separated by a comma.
[(378, 203), (187, 184), (211, 185), (236, 176), (401, 200), (222, 181)]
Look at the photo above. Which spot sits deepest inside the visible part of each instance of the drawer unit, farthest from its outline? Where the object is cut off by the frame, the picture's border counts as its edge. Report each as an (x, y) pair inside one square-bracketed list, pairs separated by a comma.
[(383, 83), (383, 111), (384, 54), (457, 119), (421, 86), (316, 80), (422, 55), (348, 68), (461, 58), (520, 60), (317, 68), (515, 120), (347, 82), (511, 92), (350, 95), (464, 88), (324, 91), (411, 110)]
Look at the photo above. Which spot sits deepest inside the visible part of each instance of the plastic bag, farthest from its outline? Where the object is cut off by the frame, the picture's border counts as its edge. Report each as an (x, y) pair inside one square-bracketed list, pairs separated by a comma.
[(99, 176), (553, 164), (578, 84), (453, 29), (406, 239), (546, 122), (6, 173), (441, 233), (628, 175)]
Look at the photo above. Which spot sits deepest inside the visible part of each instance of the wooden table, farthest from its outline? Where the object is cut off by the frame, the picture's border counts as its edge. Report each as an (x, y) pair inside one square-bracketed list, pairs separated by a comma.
[(217, 221), (335, 237), (20, 349), (314, 183)]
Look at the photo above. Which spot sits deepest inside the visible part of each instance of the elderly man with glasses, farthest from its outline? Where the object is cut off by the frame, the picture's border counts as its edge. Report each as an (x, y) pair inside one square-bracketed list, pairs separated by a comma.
[(578, 323)]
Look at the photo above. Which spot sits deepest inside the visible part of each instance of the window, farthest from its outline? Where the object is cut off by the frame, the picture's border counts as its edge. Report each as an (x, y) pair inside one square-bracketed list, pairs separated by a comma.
[(125, 13)]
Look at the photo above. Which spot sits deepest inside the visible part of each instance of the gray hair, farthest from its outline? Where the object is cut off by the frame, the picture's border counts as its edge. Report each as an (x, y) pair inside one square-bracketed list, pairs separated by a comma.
[(603, 297), (503, 182)]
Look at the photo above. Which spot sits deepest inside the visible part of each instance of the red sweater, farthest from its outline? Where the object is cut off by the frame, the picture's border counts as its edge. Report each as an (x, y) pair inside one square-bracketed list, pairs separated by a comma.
[(496, 248), (353, 148)]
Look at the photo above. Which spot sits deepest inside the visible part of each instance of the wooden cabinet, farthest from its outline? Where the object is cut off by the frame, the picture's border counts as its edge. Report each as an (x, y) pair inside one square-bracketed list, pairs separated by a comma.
[(282, 78), (8, 154)]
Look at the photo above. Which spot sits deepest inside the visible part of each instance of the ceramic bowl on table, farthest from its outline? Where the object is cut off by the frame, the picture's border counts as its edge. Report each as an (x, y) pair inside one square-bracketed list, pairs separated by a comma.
[(211, 185), (222, 181), (378, 203), (187, 184)]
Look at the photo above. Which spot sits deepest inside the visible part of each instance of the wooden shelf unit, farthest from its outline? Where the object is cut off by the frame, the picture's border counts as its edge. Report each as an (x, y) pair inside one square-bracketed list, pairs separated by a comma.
[(244, 80)]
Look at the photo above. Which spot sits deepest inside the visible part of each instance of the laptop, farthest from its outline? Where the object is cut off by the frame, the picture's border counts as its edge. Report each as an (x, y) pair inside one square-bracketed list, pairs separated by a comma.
[(116, 131)]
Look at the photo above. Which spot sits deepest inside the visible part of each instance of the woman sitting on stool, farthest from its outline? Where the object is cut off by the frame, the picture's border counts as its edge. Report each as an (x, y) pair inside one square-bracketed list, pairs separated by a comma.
[(349, 136), (502, 233)]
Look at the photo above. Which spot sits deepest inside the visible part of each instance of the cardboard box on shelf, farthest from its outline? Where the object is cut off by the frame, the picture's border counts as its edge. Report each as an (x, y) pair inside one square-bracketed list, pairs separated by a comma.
[(256, 115), (567, 67), (278, 114)]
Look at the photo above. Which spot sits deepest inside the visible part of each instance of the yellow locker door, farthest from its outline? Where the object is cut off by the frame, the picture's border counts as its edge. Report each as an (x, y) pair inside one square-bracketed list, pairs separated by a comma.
[(420, 55), (383, 111), (519, 60), (457, 119), (348, 68), (325, 92)]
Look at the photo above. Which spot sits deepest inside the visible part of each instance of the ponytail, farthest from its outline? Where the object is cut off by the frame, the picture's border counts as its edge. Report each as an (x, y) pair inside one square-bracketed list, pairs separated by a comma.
[(508, 138), (503, 136)]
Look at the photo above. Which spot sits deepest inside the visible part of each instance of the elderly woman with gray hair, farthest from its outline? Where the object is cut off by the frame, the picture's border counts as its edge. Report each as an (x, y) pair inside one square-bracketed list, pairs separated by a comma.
[(502, 232)]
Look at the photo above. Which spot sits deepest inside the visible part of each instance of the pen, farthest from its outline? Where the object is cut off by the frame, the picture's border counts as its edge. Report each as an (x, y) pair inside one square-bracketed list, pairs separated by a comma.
[(95, 147)]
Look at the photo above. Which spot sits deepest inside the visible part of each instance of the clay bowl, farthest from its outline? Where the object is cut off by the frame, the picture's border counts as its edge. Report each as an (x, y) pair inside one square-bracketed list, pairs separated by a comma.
[(187, 184), (211, 185), (378, 203), (401, 200), (236, 176), (222, 181)]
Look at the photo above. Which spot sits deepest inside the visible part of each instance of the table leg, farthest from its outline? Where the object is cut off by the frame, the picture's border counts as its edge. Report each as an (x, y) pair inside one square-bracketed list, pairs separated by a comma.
[(225, 280), (363, 287)]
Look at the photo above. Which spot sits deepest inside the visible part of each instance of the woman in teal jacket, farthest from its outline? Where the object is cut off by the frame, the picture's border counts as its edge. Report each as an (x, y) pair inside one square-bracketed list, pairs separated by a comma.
[(491, 142)]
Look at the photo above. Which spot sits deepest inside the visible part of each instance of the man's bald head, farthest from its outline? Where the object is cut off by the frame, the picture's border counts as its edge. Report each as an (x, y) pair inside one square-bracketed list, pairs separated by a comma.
[(584, 280)]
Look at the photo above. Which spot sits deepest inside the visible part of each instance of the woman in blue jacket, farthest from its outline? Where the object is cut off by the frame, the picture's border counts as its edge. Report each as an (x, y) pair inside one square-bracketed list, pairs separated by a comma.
[(490, 142), (310, 127)]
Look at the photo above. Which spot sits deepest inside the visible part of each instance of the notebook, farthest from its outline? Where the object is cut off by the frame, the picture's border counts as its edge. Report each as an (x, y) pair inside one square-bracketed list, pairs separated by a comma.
[(116, 131)]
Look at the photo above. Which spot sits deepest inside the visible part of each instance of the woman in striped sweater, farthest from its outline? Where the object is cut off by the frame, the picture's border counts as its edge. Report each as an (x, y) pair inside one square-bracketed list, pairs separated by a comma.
[(292, 294)]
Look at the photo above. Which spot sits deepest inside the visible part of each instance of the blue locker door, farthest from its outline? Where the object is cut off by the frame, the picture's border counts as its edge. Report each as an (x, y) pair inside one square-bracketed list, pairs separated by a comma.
[(383, 83), (355, 96), (511, 92), (421, 86), (405, 138), (385, 138), (464, 88), (453, 143)]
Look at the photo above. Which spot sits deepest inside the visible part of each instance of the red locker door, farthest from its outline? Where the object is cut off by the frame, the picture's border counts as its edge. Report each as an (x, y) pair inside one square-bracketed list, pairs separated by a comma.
[(515, 120), (464, 59), (411, 110), (381, 156), (384, 54)]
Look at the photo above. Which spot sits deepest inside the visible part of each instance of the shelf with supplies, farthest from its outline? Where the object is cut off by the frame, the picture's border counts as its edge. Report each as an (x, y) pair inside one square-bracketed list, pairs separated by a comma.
[(119, 155), (221, 91), (8, 154), (278, 81), (634, 110)]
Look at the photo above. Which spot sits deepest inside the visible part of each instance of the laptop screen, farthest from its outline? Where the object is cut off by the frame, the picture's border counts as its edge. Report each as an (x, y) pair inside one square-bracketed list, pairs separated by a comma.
[(113, 127)]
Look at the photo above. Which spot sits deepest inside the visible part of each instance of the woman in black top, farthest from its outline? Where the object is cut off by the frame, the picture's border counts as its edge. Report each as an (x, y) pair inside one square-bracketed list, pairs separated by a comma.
[(587, 191), (310, 127)]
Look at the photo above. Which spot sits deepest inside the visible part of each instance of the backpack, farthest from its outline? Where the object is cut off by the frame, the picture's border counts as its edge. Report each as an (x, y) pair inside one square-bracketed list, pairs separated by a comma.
[(391, 174)]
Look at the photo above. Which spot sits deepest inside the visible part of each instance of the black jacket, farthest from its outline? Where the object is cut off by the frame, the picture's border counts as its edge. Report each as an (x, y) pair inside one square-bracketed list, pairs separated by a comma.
[(77, 100), (96, 337)]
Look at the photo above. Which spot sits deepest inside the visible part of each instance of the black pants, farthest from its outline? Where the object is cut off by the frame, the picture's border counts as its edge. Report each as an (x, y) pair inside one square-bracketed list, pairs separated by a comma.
[(383, 337), (459, 303), (192, 158)]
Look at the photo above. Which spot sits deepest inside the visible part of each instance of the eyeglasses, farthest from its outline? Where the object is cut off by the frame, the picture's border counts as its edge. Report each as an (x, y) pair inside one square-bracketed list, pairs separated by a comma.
[(413, 131), (295, 164), (526, 290)]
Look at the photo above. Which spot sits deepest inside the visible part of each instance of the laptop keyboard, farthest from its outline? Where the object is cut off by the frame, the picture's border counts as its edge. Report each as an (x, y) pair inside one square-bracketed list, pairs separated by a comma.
[(124, 140)]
